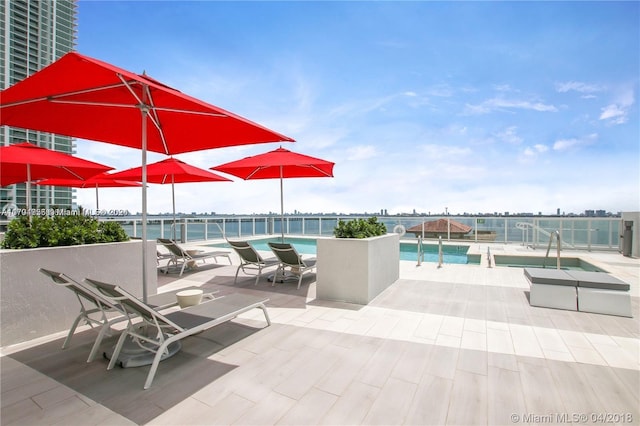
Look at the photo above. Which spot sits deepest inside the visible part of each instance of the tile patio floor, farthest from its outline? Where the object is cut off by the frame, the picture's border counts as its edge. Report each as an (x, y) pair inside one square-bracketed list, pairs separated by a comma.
[(456, 345)]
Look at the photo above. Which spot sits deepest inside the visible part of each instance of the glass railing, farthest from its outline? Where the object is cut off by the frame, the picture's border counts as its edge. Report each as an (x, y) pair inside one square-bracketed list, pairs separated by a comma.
[(576, 232)]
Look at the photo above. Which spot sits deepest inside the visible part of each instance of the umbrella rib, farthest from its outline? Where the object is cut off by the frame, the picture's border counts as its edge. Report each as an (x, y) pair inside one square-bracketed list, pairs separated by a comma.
[(256, 170), (182, 111), (154, 117), (73, 173), (54, 98), (105, 104), (60, 101), (319, 170)]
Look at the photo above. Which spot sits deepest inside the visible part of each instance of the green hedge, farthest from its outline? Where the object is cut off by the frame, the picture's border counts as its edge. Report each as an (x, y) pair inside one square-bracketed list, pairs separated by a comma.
[(360, 228), (69, 230)]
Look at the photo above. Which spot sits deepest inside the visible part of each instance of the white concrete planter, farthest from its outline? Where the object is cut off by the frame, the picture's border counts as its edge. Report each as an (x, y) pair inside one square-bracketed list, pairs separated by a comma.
[(31, 306), (357, 270)]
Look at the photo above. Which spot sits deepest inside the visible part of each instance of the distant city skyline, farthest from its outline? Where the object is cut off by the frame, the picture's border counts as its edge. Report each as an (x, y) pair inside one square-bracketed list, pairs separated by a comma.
[(472, 106), (383, 212)]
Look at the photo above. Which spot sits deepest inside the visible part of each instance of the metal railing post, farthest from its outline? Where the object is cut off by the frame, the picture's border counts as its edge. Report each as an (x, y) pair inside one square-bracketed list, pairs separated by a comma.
[(559, 247), (475, 225)]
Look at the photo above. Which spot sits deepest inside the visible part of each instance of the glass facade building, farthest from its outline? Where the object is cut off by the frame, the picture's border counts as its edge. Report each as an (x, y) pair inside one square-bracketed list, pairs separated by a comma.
[(33, 34)]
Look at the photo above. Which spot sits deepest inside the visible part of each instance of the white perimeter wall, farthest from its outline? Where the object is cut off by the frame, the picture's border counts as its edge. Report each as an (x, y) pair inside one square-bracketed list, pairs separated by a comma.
[(31, 306)]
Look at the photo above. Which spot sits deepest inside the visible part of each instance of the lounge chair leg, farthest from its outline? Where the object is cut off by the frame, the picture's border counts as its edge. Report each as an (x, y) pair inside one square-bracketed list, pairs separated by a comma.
[(116, 352), (96, 344), (164, 347), (258, 275), (237, 271), (266, 314), (154, 367), (67, 341)]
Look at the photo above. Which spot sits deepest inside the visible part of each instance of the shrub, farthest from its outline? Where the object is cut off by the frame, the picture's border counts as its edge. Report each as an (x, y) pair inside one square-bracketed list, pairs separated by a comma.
[(68, 230), (360, 228)]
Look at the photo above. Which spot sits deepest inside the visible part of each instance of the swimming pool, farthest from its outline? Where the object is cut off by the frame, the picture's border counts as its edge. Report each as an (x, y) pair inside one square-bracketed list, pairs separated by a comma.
[(571, 263), (408, 251)]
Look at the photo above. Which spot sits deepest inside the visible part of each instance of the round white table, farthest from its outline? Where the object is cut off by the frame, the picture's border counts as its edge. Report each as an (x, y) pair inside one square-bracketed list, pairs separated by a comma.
[(189, 297)]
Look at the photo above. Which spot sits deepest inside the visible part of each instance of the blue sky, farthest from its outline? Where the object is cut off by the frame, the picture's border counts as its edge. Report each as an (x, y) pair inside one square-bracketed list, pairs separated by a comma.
[(470, 106)]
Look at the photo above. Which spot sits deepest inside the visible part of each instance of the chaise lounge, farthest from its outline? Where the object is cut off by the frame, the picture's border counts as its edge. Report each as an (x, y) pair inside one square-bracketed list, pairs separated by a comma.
[(289, 257), (96, 310), (174, 326), (185, 258), (250, 259)]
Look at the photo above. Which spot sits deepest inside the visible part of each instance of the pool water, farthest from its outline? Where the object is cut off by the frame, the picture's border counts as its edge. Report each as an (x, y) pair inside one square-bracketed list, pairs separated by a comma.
[(408, 251), (569, 263)]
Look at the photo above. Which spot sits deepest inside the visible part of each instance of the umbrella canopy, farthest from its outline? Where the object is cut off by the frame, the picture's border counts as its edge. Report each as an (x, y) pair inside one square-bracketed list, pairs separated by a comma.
[(168, 171), (103, 180), (25, 162), (279, 163), (171, 170), (84, 97)]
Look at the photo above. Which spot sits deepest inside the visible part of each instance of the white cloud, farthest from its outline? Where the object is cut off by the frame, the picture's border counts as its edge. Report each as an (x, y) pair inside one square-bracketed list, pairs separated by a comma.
[(532, 152), (509, 135), (541, 148), (568, 144), (498, 104), (617, 111), (502, 88), (565, 144), (615, 114), (578, 86)]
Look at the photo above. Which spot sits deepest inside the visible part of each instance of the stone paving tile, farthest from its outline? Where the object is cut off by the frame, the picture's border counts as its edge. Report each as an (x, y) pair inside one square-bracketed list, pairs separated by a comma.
[(452, 345)]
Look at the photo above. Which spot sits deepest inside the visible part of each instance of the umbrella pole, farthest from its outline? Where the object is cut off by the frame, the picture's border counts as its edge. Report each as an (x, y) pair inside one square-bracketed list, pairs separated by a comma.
[(28, 189), (144, 110), (281, 205), (173, 200), (97, 205)]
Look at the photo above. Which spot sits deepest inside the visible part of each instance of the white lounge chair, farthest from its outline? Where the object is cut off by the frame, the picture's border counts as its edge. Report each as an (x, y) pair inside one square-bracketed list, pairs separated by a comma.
[(183, 258), (91, 304), (96, 310), (250, 259), (289, 257), (174, 326)]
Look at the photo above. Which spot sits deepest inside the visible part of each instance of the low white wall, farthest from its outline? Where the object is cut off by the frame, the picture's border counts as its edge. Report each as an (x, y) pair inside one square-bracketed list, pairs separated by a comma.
[(31, 306), (356, 270)]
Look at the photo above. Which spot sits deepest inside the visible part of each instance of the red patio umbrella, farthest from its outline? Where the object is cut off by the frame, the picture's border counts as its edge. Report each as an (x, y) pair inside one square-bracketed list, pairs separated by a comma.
[(171, 171), (84, 97), (279, 163), (103, 180), (25, 162)]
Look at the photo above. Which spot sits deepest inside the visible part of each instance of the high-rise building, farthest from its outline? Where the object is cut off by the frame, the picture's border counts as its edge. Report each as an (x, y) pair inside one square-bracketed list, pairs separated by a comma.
[(33, 34)]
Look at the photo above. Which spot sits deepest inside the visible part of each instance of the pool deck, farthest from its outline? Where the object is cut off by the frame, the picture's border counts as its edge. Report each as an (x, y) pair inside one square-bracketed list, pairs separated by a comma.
[(453, 345)]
